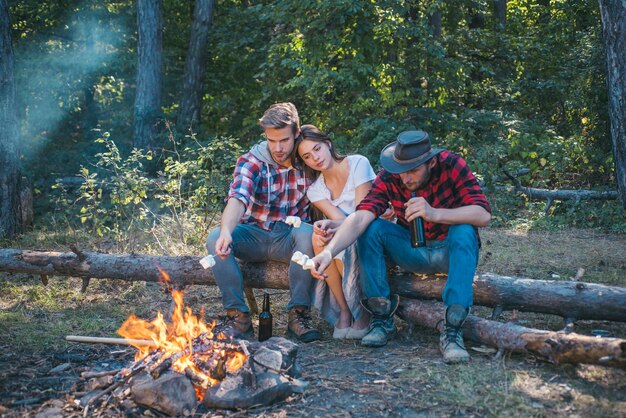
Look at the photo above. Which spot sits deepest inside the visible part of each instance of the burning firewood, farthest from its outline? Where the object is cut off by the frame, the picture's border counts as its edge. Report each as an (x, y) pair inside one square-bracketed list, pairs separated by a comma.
[(173, 357)]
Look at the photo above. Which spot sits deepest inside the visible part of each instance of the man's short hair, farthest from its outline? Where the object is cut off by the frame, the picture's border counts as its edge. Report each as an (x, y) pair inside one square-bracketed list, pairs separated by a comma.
[(281, 115)]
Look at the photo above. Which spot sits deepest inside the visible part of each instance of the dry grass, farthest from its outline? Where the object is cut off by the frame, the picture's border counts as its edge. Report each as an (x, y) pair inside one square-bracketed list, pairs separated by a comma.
[(555, 255)]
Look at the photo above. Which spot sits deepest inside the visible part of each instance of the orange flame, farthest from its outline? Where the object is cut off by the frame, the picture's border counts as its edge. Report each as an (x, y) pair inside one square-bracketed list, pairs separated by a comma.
[(175, 340)]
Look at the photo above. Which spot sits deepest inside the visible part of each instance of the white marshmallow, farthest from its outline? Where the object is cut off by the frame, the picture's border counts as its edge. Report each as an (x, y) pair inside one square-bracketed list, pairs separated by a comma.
[(303, 260), (294, 221), (296, 257), (309, 264), (208, 261)]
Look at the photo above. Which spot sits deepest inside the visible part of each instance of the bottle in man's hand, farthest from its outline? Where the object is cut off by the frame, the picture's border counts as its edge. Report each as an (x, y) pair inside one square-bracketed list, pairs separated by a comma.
[(416, 227)]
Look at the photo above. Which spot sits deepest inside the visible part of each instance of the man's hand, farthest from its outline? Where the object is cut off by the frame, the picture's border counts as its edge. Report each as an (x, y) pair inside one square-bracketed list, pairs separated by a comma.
[(419, 207), (321, 262), (222, 245)]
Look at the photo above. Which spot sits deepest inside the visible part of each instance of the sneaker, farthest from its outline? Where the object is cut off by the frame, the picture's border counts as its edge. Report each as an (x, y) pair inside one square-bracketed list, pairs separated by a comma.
[(451, 338), (357, 334), (236, 324), (341, 333), (382, 327), (300, 325)]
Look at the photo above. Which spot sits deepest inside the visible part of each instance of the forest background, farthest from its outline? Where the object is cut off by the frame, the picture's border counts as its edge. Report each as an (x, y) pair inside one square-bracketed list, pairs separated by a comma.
[(126, 117), (509, 85)]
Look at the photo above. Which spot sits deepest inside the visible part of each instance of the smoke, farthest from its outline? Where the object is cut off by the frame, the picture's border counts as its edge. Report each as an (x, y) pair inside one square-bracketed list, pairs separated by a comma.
[(57, 64)]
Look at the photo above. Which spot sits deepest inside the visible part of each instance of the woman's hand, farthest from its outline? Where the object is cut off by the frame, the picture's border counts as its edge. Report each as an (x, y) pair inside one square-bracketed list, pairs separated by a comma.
[(390, 214), (321, 262), (320, 240), (326, 227)]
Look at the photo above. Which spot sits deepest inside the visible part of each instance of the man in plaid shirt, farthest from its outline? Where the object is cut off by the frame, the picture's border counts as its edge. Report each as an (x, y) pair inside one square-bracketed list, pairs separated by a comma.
[(264, 191), (418, 182)]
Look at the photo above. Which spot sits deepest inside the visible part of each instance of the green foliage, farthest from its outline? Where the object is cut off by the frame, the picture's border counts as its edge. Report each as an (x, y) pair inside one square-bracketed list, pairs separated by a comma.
[(517, 212), (533, 96), (119, 199)]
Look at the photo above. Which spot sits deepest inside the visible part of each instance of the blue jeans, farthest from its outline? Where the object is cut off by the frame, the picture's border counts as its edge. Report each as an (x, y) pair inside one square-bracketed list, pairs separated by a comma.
[(456, 255), (255, 244)]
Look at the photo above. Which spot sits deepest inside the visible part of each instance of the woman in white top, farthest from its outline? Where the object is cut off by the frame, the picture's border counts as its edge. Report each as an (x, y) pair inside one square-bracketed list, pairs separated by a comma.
[(340, 184)]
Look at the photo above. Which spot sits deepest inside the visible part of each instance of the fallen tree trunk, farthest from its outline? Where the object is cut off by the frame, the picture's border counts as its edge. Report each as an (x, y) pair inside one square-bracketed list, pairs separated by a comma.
[(556, 347), (558, 194), (571, 300)]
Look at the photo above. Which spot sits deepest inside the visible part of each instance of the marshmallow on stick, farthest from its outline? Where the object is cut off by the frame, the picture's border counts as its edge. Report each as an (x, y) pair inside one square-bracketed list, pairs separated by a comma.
[(208, 261), (294, 221), (303, 260)]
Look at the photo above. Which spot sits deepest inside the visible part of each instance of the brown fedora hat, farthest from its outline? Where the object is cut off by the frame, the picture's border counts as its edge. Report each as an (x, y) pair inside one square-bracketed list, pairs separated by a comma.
[(410, 150)]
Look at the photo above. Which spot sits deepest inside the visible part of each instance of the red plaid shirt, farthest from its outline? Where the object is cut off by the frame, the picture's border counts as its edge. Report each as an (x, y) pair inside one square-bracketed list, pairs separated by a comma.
[(452, 185), (269, 192)]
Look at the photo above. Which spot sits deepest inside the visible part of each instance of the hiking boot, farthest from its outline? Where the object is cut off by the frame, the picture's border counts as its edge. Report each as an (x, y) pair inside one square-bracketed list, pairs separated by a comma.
[(382, 327), (236, 324), (300, 325), (451, 339)]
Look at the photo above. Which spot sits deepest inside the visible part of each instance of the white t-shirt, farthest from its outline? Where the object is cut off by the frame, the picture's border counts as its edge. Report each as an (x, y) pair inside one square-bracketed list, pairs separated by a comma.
[(360, 172)]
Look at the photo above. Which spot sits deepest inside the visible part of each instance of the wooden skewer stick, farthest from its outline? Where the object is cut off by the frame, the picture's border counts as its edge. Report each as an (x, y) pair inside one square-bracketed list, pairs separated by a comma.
[(104, 340)]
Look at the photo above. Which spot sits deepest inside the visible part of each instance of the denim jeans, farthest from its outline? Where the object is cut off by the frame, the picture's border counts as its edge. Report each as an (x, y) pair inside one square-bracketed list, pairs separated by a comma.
[(456, 255), (255, 244)]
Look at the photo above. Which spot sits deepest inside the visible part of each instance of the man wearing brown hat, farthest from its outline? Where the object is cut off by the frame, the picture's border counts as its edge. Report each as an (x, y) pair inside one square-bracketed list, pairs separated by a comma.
[(420, 182)]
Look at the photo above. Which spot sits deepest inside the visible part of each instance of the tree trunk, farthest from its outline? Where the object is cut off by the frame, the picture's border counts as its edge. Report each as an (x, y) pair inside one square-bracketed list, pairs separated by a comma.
[(613, 14), (568, 299), (193, 80), (149, 72), (571, 300), (10, 173), (499, 11), (434, 19), (476, 16), (556, 347)]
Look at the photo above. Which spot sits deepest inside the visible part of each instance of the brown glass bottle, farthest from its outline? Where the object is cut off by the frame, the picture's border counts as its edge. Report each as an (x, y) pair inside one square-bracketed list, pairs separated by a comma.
[(416, 226), (265, 319)]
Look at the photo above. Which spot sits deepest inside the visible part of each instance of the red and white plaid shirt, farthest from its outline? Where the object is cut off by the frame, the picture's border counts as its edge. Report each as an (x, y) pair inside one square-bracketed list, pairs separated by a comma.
[(269, 192)]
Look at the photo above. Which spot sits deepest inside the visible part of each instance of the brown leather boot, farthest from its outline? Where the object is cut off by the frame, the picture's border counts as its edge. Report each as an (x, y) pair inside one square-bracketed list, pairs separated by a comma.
[(237, 324), (300, 325)]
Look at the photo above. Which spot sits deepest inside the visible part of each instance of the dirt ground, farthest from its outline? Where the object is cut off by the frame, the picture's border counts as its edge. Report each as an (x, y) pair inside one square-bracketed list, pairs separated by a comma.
[(406, 378)]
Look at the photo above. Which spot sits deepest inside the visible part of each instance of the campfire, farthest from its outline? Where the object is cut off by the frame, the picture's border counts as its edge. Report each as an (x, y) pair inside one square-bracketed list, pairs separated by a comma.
[(187, 345), (183, 361)]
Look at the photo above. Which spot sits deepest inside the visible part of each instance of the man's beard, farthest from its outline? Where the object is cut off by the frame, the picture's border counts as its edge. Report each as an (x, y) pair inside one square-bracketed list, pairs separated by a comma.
[(416, 186), (278, 160)]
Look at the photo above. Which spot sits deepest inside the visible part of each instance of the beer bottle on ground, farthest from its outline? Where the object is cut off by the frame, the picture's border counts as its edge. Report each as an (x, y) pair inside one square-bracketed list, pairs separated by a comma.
[(265, 319)]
